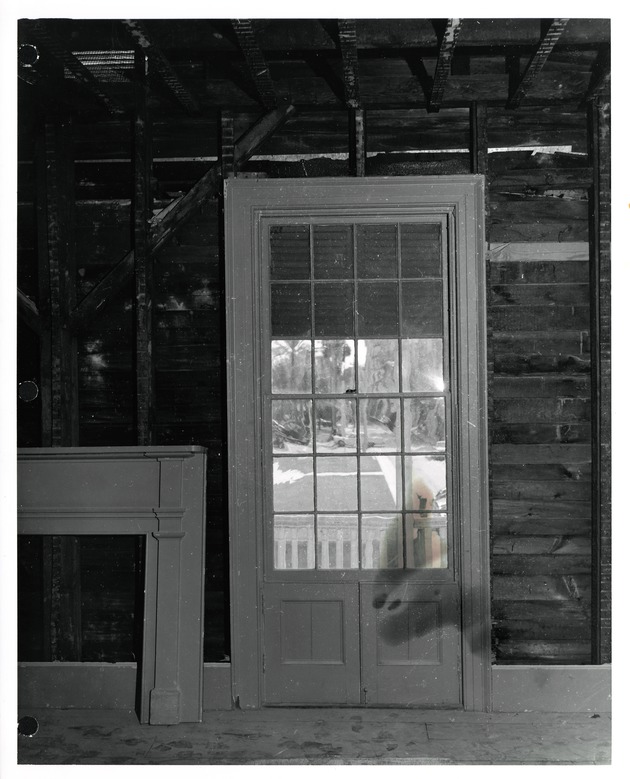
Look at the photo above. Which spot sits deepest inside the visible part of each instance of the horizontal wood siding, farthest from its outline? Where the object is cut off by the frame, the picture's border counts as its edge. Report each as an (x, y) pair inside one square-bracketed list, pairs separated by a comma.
[(540, 433)]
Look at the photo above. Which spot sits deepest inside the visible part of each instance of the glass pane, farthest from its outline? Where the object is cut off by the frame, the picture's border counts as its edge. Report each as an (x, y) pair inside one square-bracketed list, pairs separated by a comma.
[(381, 541), (422, 365), (290, 252), (290, 366), (334, 367), (377, 308), (380, 483), (421, 250), (421, 308), (292, 426), (334, 308), (376, 251), (337, 541), (337, 484), (378, 365), (426, 482), (293, 541), (427, 541), (332, 250), (425, 424), (291, 310), (293, 484), (335, 426), (380, 425)]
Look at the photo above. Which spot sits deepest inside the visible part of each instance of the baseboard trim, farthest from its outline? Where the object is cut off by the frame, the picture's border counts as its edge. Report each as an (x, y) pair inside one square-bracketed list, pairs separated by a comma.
[(104, 686), (515, 688), (552, 688)]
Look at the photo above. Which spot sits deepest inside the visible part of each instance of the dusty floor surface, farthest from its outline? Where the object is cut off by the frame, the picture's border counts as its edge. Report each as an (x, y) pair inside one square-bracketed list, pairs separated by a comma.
[(319, 737)]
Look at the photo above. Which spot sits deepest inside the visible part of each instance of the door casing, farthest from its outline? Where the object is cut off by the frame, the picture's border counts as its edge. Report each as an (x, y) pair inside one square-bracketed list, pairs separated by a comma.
[(247, 203)]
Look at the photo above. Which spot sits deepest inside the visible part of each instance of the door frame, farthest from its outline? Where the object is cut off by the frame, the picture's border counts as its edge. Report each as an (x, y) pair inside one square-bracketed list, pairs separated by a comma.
[(247, 202)]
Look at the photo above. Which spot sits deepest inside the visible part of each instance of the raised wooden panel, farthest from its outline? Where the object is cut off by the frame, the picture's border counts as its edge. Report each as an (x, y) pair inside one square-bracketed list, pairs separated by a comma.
[(312, 631), (412, 638)]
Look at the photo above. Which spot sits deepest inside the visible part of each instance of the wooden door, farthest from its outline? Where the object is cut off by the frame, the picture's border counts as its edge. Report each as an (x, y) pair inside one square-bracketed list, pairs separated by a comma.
[(356, 534)]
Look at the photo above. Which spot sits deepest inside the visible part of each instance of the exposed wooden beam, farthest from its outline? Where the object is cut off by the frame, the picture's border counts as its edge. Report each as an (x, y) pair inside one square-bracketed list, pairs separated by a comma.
[(143, 261), (320, 65), (256, 63), (175, 214), (443, 66), (162, 66), (62, 275), (357, 142), (28, 312), (478, 138), (600, 78), (536, 63), (227, 145), (57, 51), (349, 55)]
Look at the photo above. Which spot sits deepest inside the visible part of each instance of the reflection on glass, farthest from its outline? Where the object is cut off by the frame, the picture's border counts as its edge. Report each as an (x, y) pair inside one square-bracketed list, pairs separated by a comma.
[(290, 366), (337, 541), (335, 426), (425, 477), (377, 309), (381, 541), (421, 250), (334, 367), (422, 362), (292, 426), (376, 251), (332, 251), (380, 424), (378, 365), (290, 251), (291, 310), (293, 484), (334, 308), (337, 484), (425, 424), (427, 541), (421, 313), (293, 541), (380, 483)]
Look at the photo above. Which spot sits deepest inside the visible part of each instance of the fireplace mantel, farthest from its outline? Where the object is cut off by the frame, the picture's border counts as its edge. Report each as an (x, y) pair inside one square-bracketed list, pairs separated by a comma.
[(157, 492)]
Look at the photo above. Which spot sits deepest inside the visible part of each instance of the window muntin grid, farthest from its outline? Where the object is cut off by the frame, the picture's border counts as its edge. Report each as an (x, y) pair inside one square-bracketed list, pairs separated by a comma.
[(359, 435)]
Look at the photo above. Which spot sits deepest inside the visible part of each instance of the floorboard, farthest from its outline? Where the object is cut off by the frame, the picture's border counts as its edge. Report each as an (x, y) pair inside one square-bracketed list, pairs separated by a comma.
[(319, 737)]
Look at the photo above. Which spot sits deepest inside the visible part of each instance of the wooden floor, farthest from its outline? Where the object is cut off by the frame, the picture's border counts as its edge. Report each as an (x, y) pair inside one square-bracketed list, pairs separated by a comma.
[(319, 737)]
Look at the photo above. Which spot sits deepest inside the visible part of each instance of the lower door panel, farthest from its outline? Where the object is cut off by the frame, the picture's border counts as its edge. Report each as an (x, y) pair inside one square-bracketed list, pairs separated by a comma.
[(411, 640), (311, 644)]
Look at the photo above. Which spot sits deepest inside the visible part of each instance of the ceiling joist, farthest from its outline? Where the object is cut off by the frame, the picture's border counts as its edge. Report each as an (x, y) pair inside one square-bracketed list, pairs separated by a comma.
[(443, 66), (162, 65), (63, 56), (348, 44), (545, 47), (256, 63)]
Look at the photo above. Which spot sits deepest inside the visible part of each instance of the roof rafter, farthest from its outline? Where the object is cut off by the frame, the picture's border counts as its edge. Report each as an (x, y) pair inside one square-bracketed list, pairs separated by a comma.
[(163, 67), (347, 29), (57, 51), (443, 66), (536, 63), (256, 62)]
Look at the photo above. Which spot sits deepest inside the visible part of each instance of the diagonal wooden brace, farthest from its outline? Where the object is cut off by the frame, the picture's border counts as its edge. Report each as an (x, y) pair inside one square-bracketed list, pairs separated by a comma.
[(165, 223)]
